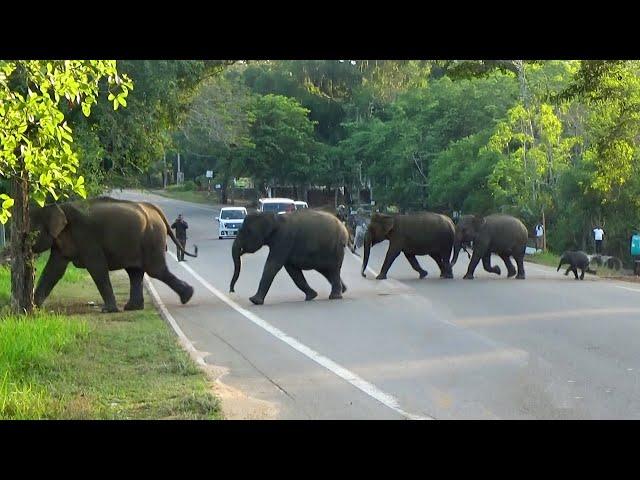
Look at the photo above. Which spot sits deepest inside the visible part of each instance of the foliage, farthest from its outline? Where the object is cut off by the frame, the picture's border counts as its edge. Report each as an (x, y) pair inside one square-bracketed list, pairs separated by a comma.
[(35, 139)]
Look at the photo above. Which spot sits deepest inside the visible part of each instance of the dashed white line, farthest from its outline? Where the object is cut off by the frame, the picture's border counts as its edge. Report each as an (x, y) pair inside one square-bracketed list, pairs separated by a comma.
[(355, 380)]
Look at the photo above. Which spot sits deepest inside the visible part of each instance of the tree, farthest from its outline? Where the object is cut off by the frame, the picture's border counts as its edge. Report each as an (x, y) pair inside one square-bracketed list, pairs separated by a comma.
[(285, 151), (216, 127), (35, 144)]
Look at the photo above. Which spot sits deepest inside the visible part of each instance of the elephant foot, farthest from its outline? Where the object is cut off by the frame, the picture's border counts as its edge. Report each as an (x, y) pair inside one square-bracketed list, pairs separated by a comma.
[(110, 309), (423, 274), (446, 275), (468, 276), (335, 296), (511, 273), (310, 295), (186, 295), (381, 277), (496, 270), (256, 300), (520, 277), (134, 306)]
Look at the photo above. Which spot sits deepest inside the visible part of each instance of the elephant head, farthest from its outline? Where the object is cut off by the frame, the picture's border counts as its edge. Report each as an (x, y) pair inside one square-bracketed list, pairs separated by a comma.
[(466, 231), (255, 232), (380, 228), (47, 222)]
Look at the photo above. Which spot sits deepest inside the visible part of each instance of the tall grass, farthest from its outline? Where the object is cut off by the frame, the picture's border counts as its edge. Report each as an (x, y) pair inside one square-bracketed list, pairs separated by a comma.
[(28, 347)]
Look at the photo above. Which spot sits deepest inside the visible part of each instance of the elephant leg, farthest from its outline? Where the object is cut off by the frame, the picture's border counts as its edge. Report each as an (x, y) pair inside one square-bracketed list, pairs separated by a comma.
[(136, 298), (271, 268), (567, 272), (416, 265), (582, 275), (392, 254), (520, 263), (486, 264), (510, 268), (446, 269), (298, 278), (575, 272), (473, 263), (183, 289), (51, 275), (337, 285), (100, 275)]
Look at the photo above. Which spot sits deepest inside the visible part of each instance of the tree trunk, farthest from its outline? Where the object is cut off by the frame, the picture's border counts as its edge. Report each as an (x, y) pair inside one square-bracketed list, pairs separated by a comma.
[(22, 267)]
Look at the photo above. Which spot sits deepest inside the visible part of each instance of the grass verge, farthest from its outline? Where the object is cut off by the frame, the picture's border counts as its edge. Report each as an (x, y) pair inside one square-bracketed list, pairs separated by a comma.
[(197, 197), (71, 362)]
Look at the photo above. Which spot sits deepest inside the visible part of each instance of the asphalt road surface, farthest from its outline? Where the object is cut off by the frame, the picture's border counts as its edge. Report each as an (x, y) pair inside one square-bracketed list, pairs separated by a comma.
[(548, 347)]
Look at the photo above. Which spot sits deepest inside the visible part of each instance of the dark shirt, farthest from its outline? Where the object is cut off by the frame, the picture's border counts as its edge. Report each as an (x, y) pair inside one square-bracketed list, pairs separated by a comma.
[(181, 229)]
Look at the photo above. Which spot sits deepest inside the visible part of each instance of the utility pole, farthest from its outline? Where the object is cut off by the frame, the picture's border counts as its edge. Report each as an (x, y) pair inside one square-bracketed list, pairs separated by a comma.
[(544, 233), (178, 176), (2, 237), (164, 171)]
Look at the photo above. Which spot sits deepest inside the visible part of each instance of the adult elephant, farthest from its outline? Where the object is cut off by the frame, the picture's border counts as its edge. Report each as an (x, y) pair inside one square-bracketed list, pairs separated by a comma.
[(417, 234), (301, 240), (101, 235), (501, 234)]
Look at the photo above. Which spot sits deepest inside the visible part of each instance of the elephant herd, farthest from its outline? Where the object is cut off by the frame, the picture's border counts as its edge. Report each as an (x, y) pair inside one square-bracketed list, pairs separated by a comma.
[(106, 234)]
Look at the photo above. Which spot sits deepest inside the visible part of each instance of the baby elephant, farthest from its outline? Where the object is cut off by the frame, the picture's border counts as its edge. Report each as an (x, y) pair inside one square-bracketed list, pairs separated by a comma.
[(576, 260)]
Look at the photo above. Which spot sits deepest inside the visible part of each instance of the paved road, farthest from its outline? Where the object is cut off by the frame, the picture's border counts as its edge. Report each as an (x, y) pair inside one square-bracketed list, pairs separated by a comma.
[(544, 348)]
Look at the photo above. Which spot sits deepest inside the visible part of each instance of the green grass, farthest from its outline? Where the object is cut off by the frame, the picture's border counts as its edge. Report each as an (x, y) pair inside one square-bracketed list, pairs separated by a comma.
[(544, 258), (196, 197), (69, 361)]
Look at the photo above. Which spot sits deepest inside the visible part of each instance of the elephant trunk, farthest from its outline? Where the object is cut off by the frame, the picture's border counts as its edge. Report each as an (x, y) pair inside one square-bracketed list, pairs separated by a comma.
[(457, 244), (236, 252), (367, 250), (560, 264)]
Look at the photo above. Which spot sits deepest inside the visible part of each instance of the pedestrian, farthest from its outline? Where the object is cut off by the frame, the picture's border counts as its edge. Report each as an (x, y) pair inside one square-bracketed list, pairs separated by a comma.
[(180, 227), (539, 236), (598, 235), (360, 230)]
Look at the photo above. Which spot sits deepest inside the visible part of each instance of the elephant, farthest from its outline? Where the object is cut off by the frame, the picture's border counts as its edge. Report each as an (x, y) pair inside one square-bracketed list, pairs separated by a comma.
[(424, 233), (575, 259), (300, 240), (102, 235), (498, 233)]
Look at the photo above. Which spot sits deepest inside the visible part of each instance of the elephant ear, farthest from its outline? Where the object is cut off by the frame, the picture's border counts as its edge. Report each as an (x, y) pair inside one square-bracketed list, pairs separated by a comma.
[(268, 225), (478, 221), (386, 222), (55, 220)]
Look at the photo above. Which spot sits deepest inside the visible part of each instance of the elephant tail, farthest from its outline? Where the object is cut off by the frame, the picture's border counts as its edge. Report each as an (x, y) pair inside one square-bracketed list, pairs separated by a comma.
[(170, 232)]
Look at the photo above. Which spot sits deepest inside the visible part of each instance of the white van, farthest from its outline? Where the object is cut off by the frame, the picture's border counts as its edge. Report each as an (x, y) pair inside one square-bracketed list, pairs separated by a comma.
[(230, 221), (300, 204), (276, 205)]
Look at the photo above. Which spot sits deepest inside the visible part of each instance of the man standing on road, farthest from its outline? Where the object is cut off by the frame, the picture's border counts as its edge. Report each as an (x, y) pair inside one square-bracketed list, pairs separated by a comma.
[(539, 236), (598, 234), (180, 227), (360, 229)]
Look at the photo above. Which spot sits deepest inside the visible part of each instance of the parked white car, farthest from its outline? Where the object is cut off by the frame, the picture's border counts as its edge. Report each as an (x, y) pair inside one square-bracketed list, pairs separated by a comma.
[(276, 205), (230, 221), (300, 205)]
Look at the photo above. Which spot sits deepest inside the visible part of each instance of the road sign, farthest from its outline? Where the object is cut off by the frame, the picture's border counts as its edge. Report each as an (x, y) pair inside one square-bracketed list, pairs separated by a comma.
[(209, 173)]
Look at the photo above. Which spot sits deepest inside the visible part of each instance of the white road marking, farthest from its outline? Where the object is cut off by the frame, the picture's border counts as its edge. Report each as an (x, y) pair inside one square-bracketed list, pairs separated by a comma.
[(358, 382), (627, 288), (176, 328)]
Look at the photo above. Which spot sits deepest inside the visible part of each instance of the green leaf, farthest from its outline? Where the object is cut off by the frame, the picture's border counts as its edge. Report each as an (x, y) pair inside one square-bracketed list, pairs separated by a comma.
[(7, 204)]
